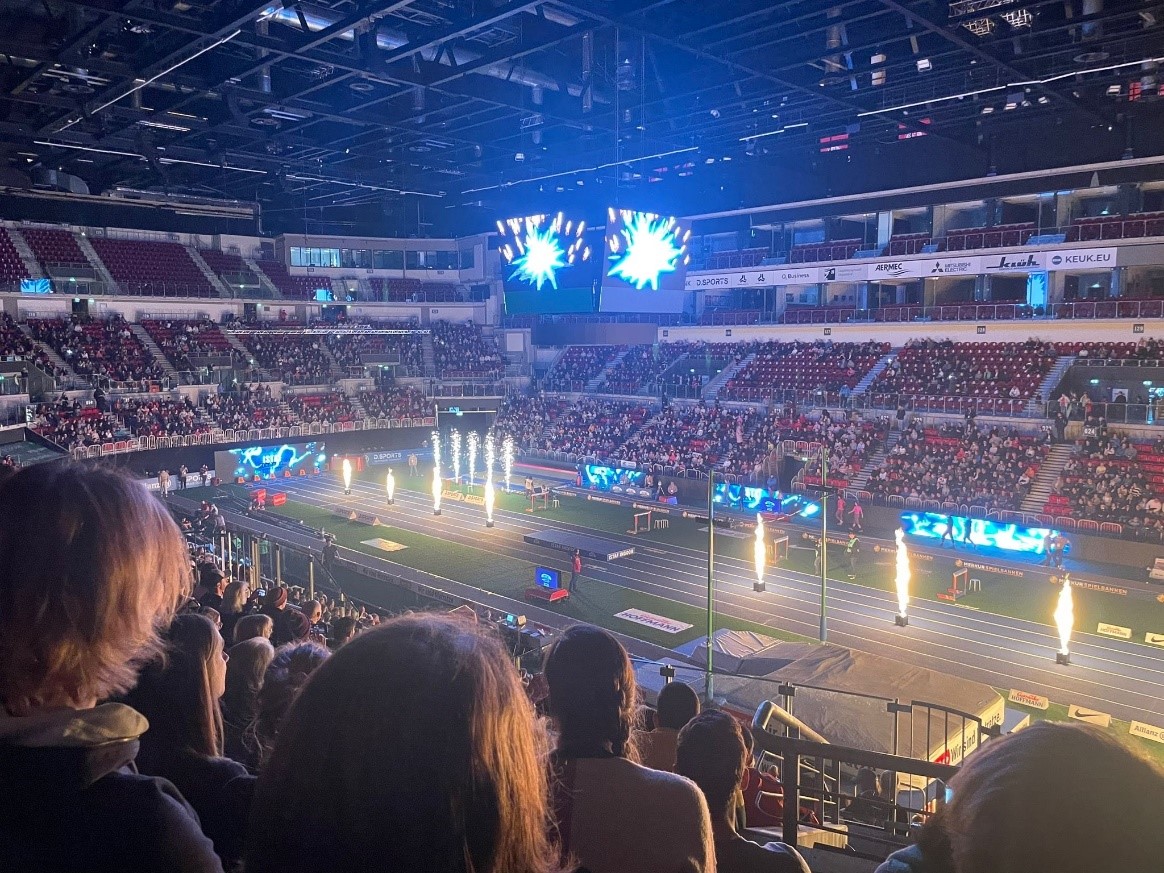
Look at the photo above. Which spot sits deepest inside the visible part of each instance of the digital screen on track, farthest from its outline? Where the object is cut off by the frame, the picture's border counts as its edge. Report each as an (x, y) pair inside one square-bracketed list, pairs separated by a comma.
[(549, 263), (747, 498), (644, 262), (547, 577), (270, 460), (605, 478), (999, 535)]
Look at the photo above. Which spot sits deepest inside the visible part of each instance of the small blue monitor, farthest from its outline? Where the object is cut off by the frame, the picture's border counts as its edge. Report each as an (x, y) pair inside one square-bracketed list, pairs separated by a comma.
[(548, 577)]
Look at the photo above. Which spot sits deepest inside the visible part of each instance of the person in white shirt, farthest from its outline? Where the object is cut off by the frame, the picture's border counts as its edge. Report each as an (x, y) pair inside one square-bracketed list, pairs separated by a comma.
[(613, 815)]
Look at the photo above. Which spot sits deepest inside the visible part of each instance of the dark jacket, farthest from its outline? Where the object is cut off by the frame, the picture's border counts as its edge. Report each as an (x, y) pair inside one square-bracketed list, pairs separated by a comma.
[(72, 800), (908, 860)]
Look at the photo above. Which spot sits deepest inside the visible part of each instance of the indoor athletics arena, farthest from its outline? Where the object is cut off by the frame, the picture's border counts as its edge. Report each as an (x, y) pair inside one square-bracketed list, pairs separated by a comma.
[(487, 436)]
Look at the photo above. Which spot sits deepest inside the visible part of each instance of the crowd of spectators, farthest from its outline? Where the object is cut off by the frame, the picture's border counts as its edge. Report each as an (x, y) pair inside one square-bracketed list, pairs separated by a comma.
[(943, 368), (154, 724), (99, 349), (698, 437), (72, 423), (523, 417), (296, 360), (248, 408), (332, 407), (353, 349), (1109, 479), (396, 403), (849, 440), (15, 344), (593, 427), (577, 366), (179, 339), (961, 463), (463, 351), (643, 366)]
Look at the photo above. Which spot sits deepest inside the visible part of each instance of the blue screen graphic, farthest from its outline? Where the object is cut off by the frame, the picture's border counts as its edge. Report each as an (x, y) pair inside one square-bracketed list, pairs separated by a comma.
[(268, 461), (547, 577), (982, 532), (36, 286), (747, 498), (546, 253), (604, 478)]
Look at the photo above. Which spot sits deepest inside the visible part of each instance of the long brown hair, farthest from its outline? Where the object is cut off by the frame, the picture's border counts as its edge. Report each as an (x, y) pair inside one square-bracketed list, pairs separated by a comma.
[(91, 567), (1063, 797), (175, 696), (413, 748), (592, 693)]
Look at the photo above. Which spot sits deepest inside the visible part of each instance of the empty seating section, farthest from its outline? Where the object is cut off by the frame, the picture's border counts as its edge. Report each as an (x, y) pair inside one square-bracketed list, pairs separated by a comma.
[(959, 465), (355, 350), (963, 239), (151, 267), (1112, 480), (930, 372), (181, 339), (643, 366), (294, 359), (578, 365), (331, 407), (739, 259), (592, 428), (294, 287), (395, 290), (1102, 227), (55, 248), (396, 403), (99, 350), (837, 250), (228, 266), (463, 351), (814, 366), (12, 268), (907, 243), (817, 314), (523, 417), (699, 437)]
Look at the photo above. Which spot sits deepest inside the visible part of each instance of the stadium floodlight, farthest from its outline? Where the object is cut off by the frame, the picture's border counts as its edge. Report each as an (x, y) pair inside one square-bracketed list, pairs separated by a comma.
[(645, 247), (390, 487), (347, 469), (1065, 622), (902, 579), (759, 553)]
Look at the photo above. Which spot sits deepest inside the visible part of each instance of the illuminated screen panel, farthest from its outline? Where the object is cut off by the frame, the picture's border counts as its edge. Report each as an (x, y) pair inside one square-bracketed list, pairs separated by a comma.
[(644, 263), (605, 478), (270, 460), (36, 286), (747, 498), (1004, 537), (548, 577), (549, 263)]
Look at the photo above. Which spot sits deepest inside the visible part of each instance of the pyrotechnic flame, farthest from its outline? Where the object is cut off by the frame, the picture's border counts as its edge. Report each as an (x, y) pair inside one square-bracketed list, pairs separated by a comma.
[(507, 455), (760, 549), (902, 580), (436, 489), (455, 448), (473, 443), (489, 495), (1065, 615), (347, 467), (390, 485)]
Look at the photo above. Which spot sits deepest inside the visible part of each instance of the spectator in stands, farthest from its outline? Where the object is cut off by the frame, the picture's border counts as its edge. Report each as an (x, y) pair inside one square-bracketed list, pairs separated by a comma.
[(232, 607), (614, 815), (179, 695), (462, 350), (285, 676), (677, 704), (712, 753), (253, 625), (1060, 797), (90, 567), (342, 629), (240, 703), (413, 748)]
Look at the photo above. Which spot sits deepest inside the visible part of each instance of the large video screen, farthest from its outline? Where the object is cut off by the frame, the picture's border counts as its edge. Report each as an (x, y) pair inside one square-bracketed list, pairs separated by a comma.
[(270, 460), (644, 263), (1000, 535), (549, 263)]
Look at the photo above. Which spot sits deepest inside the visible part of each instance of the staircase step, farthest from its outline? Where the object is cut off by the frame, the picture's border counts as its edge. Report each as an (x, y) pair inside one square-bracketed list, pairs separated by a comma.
[(96, 263), (712, 388), (264, 280), (1043, 485), (867, 380), (27, 256), (212, 277)]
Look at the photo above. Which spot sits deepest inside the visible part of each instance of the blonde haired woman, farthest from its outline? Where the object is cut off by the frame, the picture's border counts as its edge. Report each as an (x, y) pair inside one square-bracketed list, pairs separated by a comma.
[(91, 567)]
